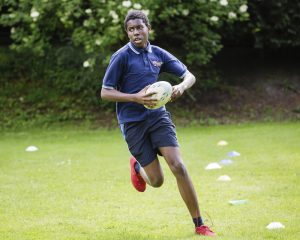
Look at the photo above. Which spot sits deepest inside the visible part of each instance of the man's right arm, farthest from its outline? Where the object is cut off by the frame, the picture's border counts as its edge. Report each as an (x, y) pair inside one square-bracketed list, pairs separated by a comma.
[(140, 97), (116, 96)]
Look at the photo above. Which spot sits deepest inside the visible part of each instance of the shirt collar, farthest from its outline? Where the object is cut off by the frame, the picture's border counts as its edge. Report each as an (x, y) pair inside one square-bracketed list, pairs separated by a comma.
[(139, 50)]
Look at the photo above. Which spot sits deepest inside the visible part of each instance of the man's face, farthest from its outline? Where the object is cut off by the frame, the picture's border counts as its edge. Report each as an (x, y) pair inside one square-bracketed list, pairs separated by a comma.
[(137, 32)]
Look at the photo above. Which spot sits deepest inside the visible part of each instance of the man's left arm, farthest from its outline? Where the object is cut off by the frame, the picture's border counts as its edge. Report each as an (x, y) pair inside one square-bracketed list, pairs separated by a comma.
[(188, 81)]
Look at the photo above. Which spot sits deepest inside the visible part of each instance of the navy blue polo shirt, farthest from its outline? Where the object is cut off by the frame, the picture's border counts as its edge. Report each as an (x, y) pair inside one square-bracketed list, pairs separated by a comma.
[(131, 69)]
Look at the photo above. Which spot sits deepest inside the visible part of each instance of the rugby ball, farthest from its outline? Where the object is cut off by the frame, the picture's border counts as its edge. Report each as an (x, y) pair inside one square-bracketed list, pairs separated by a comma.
[(163, 92)]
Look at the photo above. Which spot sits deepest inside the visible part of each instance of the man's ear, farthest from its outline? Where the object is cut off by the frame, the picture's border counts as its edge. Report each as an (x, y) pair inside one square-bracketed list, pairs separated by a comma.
[(149, 27)]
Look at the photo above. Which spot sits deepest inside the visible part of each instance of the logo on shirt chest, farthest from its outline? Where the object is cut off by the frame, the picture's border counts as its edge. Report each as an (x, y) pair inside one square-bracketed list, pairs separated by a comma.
[(156, 63)]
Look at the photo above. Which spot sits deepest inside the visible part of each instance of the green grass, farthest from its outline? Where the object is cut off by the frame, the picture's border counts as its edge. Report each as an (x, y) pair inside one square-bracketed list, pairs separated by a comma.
[(77, 186)]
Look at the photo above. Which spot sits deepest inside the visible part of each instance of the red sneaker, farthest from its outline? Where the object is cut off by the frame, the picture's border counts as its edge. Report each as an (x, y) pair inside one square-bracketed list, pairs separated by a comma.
[(204, 230), (136, 179)]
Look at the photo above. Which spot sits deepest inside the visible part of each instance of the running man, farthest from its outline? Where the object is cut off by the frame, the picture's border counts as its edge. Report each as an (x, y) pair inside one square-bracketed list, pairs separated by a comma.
[(149, 133)]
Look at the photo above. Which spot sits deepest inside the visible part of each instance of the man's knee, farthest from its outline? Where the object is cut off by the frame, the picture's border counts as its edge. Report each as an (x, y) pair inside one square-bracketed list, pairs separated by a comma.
[(178, 169), (157, 181)]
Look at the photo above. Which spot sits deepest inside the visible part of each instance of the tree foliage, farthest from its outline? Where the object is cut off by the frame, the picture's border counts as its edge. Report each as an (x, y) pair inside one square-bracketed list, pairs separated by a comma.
[(275, 24), (197, 28), (61, 47), (97, 25)]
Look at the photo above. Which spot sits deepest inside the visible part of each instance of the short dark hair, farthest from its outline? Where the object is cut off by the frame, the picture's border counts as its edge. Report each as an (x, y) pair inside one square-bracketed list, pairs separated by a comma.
[(136, 14)]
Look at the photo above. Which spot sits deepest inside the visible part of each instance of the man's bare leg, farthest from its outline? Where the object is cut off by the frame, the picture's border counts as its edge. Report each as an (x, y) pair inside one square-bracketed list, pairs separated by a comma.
[(184, 183)]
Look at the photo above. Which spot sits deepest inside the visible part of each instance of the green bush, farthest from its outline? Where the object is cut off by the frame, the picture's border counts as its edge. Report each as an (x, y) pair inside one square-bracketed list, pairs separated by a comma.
[(61, 48), (97, 26), (275, 24), (198, 27), (47, 89)]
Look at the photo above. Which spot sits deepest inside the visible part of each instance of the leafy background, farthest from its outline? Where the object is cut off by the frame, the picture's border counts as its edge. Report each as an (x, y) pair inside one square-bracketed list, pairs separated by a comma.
[(54, 54)]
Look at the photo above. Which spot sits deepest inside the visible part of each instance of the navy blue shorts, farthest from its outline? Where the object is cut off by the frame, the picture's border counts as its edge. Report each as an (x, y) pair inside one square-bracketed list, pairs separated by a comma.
[(145, 137)]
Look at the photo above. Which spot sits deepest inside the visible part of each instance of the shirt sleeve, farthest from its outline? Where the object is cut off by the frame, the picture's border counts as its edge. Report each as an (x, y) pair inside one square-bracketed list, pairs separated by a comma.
[(113, 72), (172, 65)]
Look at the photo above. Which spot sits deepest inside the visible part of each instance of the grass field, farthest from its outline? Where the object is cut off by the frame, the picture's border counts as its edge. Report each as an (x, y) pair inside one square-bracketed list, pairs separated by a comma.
[(77, 185)]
